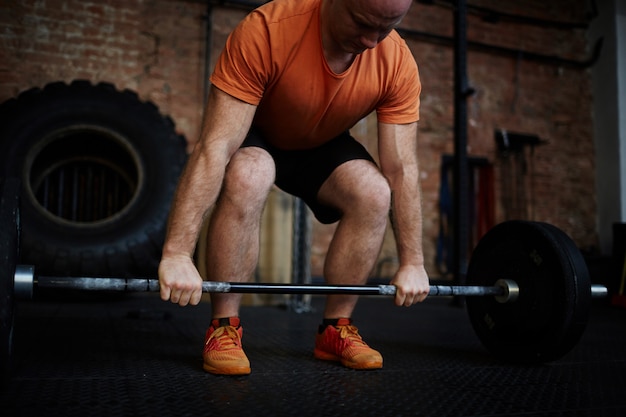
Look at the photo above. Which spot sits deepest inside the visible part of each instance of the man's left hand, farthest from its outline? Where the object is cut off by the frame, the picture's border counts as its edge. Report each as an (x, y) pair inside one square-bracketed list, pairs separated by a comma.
[(412, 285)]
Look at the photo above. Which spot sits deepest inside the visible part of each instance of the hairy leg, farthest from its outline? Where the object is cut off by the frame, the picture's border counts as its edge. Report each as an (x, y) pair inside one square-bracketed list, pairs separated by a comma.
[(233, 234), (362, 194)]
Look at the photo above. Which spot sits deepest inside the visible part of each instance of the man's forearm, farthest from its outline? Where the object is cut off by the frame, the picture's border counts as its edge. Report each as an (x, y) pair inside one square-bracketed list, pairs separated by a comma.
[(399, 163), (197, 191), (406, 221)]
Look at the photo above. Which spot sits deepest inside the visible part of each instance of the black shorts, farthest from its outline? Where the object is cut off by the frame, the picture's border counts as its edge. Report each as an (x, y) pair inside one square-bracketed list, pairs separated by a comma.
[(302, 172)]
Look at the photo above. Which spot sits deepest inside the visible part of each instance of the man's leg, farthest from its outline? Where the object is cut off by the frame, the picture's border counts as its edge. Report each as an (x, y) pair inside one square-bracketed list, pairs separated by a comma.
[(362, 196), (233, 234), (232, 253), (361, 193)]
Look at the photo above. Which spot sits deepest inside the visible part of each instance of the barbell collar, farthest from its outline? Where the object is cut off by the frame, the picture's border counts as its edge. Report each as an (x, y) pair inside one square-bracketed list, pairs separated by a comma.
[(510, 291), (599, 291), (23, 282)]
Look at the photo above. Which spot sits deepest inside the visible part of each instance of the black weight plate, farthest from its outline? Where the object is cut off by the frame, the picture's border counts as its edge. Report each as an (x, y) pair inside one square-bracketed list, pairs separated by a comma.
[(580, 314), (9, 245), (550, 315)]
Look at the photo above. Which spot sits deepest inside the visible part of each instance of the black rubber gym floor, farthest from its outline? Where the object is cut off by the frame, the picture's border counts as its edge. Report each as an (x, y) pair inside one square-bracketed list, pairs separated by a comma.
[(138, 356)]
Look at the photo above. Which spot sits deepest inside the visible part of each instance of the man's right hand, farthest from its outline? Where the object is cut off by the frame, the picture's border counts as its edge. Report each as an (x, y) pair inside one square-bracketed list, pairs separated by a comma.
[(179, 280)]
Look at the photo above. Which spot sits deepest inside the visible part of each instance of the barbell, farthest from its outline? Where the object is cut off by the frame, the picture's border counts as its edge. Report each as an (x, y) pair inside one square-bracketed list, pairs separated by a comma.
[(25, 283), (528, 288)]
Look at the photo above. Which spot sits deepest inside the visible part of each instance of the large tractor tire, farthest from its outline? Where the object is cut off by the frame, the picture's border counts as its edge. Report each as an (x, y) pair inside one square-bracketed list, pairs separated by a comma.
[(98, 169)]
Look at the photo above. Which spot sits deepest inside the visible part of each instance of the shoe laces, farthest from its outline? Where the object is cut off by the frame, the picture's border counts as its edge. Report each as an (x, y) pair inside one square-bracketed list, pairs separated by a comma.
[(350, 335), (226, 338)]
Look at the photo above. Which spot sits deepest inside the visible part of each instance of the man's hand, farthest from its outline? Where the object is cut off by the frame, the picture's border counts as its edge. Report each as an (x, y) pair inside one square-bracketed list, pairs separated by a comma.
[(411, 285), (179, 280)]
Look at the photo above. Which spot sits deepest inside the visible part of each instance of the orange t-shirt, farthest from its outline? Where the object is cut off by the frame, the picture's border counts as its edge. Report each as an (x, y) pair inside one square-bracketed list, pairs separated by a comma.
[(274, 60)]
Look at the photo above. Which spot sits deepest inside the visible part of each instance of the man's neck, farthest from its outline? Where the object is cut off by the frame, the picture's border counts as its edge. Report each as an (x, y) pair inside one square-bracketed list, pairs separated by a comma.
[(337, 59)]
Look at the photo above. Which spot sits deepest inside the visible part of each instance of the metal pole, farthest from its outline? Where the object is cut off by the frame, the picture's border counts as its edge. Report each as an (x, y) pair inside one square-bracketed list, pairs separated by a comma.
[(152, 285), (504, 290), (461, 183), (301, 254)]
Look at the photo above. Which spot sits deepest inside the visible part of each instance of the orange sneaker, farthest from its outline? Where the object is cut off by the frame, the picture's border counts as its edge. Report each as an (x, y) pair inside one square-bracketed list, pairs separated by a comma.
[(222, 353), (342, 343)]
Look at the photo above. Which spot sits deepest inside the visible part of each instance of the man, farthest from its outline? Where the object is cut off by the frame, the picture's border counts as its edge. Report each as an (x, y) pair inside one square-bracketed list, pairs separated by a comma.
[(294, 77)]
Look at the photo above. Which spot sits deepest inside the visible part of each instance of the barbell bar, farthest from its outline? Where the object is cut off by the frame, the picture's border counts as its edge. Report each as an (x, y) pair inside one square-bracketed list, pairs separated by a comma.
[(26, 281), (504, 290)]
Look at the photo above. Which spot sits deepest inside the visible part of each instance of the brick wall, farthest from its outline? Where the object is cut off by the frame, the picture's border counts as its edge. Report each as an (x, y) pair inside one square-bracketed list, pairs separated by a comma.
[(157, 48), (520, 95)]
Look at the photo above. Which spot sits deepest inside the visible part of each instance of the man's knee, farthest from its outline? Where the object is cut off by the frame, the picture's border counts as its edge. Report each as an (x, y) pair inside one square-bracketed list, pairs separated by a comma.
[(249, 175), (370, 194), (377, 195)]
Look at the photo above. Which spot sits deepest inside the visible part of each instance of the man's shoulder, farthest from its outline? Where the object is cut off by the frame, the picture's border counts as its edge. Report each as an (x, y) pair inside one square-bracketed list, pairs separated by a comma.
[(390, 53), (394, 41)]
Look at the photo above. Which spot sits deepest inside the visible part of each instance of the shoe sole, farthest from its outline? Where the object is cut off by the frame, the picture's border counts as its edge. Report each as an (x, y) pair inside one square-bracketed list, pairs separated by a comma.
[(325, 356), (226, 371)]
